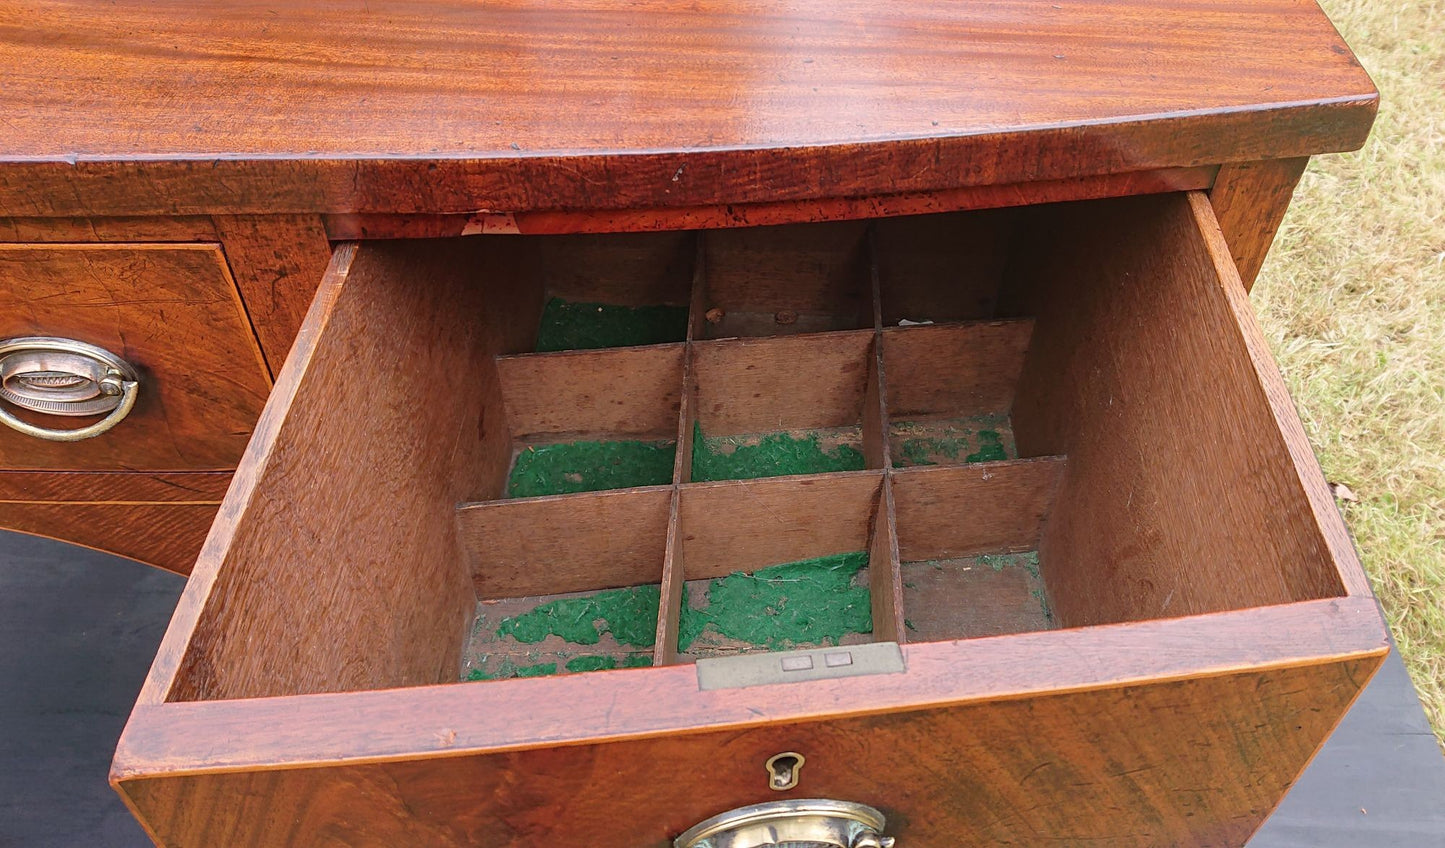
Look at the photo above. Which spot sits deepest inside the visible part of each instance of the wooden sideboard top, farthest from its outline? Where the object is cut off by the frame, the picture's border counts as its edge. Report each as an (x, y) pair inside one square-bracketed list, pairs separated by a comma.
[(135, 108)]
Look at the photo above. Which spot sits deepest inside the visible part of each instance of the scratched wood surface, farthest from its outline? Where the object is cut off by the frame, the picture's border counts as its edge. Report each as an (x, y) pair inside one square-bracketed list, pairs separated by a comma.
[(1191, 486), (170, 310), (207, 107), (1179, 732)]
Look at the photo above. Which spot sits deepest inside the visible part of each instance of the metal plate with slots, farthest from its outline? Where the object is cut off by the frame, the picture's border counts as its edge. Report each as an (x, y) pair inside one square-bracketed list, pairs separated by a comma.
[(797, 666)]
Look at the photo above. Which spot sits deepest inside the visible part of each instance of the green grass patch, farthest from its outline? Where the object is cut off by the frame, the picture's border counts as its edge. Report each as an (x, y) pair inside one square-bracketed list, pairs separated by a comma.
[(810, 602), (571, 467), (588, 326), (773, 455)]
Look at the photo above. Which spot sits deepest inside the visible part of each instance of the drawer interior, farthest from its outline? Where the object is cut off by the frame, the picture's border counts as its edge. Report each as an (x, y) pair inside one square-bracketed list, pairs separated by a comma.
[(504, 457)]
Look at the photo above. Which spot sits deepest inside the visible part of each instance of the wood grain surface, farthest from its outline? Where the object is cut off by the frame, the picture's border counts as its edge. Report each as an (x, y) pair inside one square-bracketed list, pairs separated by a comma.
[(165, 535), (765, 385), (885, 581), (626, 392), (108, 487), (380, 225), (618, 268), (378, 541), (745, 525), (277, 260), (954, 370), (1183, 731), (1249, 200), (949, 511), (1190, 486), (152, 229), (208, 107), (566, 543), (941, 267), (170, 310)]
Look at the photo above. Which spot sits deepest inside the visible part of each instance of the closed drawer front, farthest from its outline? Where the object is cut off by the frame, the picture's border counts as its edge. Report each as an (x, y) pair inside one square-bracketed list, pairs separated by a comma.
[(170, 310), (489, 576)]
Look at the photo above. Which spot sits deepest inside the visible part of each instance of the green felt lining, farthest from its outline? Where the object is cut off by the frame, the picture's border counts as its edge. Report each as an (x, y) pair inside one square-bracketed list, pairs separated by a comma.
[(571, 467), (589, 326)]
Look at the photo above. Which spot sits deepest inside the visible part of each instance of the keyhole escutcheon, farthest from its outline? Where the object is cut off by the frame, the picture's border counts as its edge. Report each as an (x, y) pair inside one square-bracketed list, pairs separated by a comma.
[(783, 770)]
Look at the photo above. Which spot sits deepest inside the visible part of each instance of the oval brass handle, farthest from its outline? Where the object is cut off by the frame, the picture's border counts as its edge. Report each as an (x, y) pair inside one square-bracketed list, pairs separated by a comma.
[(803, 822), (65, 377)]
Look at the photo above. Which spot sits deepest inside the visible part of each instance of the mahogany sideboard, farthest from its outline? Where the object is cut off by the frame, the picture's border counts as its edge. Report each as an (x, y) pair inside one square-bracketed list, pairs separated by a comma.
[(318, 240)]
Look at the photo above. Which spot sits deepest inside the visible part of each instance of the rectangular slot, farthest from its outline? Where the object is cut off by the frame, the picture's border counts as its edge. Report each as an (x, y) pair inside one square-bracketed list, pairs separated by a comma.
[(785, 280), (565, 584), (950, 391), (603, 291), (967, 540), (591, 420), (972, 597), (942, 268), (540, 636), (780, 406), (775, 564)]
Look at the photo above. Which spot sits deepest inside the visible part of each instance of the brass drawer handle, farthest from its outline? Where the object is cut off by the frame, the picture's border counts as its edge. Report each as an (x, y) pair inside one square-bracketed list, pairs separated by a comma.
[(814, 823), (65, 377)]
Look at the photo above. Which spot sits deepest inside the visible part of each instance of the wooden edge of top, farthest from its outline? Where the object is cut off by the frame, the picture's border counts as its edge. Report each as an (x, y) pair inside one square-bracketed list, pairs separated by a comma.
[(460, 719), (506, 181)]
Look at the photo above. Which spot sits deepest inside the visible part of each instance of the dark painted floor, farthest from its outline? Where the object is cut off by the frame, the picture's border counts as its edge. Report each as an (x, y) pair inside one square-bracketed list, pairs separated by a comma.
[(78, 629)]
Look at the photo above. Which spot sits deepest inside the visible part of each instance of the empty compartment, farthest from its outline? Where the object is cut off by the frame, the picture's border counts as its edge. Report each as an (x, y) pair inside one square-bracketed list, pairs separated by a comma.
[(783, 280), (780, 406), (942, 268), (586, 421), (612, 290), (775, 564), (565, 584), (950, 390), (968, 540)]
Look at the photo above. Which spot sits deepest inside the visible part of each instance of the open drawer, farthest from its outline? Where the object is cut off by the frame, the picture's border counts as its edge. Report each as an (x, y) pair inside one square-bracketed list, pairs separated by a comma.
[(463, 592)]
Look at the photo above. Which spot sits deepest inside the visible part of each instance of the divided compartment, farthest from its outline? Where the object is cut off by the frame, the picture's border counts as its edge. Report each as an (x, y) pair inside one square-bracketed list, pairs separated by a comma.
[(968, 542), (583, 421), (774, 564), (617, 290), (942, 268), (1162, 479), (784, 280), (565, 584), (780, 406), (950, 391)]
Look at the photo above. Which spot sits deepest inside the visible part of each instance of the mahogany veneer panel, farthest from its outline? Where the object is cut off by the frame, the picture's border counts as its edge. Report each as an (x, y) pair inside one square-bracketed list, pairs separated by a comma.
[(170, 310), (1153, 715), (666, 104), (166, 535)]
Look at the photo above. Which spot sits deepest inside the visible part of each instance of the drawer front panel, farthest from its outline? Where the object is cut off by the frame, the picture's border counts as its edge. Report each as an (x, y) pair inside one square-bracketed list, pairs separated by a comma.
[(1143, 765), (171, 311)]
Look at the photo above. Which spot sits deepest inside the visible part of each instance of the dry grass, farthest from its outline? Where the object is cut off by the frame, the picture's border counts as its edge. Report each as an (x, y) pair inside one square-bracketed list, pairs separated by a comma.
[(1353, 299)]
